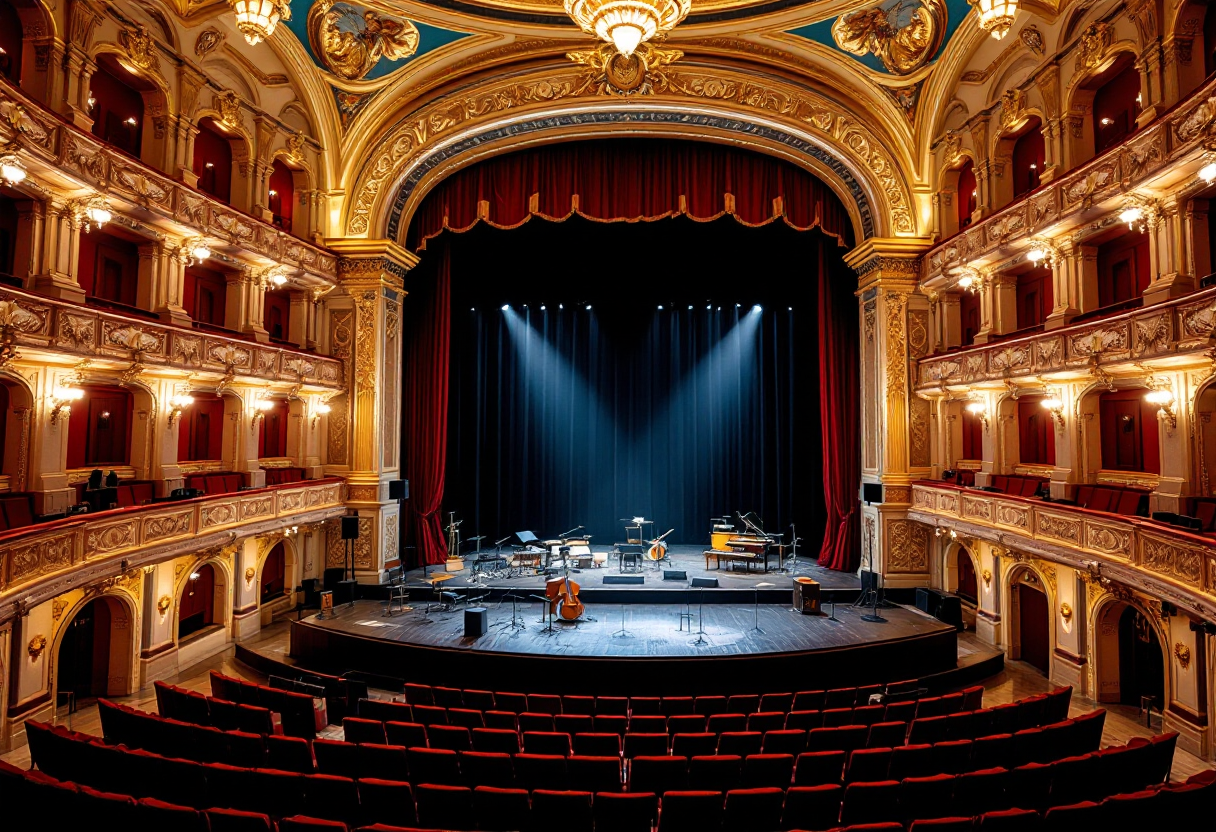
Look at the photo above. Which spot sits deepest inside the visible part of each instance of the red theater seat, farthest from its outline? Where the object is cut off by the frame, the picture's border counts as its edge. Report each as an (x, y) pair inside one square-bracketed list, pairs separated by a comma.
[(594, 774), (718, 773), (565, 810), (445, 807), (487, 769), (690, 811), (753, 810), (812, 807), (233, 820), (501, 810), (495, 739), (634, 812), (386, 801), (658, 774)]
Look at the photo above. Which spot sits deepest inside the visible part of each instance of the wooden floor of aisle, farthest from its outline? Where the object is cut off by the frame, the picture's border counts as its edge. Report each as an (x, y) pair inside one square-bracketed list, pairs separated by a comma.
[(1016, 682)]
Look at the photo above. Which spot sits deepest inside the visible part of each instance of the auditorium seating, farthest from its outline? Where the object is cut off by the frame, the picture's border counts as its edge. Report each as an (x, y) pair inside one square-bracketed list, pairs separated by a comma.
[(283, 476), (128, 493), (109, 784), (17, 510), (1017, 485), (1115, 499), (216, 482)]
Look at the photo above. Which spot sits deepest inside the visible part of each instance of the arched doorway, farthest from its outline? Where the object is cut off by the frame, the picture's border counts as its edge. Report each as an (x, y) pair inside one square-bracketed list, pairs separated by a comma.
[(94, 656), (967, 588), (274, 573), (1130, 660), (197, 610), (1032, 623)]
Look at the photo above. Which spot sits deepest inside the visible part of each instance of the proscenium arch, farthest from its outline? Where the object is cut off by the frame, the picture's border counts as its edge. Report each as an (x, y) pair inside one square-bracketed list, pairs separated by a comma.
[(513, 136)]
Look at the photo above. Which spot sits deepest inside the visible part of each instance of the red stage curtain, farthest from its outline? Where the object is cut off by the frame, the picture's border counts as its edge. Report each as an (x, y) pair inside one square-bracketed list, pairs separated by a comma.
[(839, 376), (629, 181), (425, 403)]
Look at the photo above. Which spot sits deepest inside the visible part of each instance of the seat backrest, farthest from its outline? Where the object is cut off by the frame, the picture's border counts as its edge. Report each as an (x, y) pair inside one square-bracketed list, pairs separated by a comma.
[(1103, 499), (1085, 493), (1129, 503)]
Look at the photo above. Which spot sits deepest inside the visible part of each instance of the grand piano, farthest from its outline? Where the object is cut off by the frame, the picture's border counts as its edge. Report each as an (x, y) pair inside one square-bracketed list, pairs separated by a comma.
[(746, 543)]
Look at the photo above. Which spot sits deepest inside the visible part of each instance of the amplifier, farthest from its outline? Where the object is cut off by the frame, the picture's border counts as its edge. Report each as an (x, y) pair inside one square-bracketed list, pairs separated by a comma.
[(475, 622), (675, 575), (806, 596), (709, 583)]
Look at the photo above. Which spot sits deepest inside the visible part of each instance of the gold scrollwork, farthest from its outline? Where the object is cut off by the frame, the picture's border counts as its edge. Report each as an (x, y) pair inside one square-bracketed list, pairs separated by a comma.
[(250, 573), (903, 34), (36, 646), (609, 72), (350, 41), (163, 603), (987, 576), (1183, 654)]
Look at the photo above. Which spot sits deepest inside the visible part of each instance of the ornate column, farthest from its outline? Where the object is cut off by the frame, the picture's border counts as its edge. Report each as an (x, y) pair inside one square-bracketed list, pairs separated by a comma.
[(1169, 251), (372, 274), (78, 67), (983, 167), (1003, 300), (949, 321), (895, 423), (1152, 86), (189, 83), (1048, 82), (168, 293), (243, 304), (60, 252), (1070, 282), (266, 131)]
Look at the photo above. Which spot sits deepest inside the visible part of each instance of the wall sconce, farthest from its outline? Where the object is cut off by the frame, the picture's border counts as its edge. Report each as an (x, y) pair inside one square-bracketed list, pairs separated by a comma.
[(1066, 612), (261, 406), (1163, 398), (11, 170), (970, 280), (250, 574), (196, 250), (987, 576), (1040, 252), (1055, 406), (93, 212), (1208, 173), (276, 276), (61, 402), (163, 604), (1133, 215), (177, 404), (319, 411), (980, 411), (36, 646)]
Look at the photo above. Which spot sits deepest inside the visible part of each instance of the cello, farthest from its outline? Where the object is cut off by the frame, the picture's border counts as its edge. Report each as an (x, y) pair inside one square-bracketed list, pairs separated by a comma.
[(658, 549), (563, 599)]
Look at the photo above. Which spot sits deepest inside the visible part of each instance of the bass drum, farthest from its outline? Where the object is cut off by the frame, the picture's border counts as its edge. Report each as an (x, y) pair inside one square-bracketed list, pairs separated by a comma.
[(657, 550)]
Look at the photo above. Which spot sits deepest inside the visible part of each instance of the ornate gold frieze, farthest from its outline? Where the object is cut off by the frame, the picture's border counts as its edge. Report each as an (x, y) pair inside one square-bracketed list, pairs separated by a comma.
[(907, 546), (903, 35), (350, 45), (610, 73)]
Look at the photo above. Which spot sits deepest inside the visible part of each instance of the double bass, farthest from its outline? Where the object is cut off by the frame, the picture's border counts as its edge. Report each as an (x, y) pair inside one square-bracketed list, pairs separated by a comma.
[(563, 599), (658, 549)]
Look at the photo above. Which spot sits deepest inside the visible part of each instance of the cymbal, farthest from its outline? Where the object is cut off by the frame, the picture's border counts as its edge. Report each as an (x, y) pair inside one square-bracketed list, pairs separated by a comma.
[(472, 539), (764, 584)]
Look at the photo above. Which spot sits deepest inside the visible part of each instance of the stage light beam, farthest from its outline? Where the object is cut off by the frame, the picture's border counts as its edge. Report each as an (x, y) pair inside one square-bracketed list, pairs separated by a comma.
[(757, 308), (505, 307)]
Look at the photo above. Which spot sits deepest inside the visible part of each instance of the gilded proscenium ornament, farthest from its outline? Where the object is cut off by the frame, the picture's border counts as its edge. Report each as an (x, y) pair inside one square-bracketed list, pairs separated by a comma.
[(627, 24), (350, 41), (611, 73), (903, 34)]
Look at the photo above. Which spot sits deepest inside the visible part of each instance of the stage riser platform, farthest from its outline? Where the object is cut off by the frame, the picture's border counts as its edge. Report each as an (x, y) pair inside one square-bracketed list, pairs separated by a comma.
[(638, 595)]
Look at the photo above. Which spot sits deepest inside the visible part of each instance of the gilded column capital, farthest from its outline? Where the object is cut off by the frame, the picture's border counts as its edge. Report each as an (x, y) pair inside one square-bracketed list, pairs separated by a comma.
[(367, 262), (890, 262)]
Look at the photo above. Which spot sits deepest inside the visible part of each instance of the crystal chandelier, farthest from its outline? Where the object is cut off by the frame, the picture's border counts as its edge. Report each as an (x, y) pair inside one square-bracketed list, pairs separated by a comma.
[(996, 16), (627, 23), (256, 19)]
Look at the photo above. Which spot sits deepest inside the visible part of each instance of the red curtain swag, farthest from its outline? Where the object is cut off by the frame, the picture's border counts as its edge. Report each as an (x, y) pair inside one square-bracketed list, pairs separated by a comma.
[(629, 181), (425, 406)]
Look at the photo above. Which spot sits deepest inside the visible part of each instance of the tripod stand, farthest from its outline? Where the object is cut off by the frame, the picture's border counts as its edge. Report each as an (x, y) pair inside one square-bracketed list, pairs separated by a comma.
[(701, 617)]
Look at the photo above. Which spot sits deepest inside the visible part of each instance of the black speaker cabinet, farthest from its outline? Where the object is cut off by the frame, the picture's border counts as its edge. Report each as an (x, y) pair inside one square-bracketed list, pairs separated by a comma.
[(871, 492), (710, 583), (350, 527), (675, 575), (398, 489), (612, 580), (476, 622)]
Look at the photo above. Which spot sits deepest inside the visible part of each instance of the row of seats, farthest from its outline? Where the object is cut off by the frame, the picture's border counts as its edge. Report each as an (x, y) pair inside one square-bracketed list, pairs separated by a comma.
[(548, 703), (1116, 499), (282, 476), (298, 710), (1017, 485), (198, 709), (216, 482), (275, 793), (773, 761)]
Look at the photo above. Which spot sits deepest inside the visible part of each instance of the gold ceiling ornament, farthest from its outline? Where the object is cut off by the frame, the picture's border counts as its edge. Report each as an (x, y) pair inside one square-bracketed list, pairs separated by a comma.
[(996, 16), (611, 73), (257, 19), (351, 40), (903, 34), (1013, 109), (627, 24)]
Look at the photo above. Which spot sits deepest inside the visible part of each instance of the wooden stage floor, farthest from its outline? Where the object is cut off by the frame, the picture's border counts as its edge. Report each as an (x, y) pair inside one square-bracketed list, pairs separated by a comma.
[(789, 648)]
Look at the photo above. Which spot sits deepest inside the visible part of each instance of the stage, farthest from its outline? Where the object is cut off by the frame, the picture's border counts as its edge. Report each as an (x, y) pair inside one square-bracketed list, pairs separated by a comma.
[(623, 648)]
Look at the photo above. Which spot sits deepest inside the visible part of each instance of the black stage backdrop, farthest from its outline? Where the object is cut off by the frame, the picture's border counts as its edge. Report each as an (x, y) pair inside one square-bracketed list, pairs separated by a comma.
[(560, 416)]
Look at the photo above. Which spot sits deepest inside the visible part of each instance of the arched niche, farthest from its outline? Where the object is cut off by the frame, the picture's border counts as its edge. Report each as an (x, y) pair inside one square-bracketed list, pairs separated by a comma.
[(1120, 432), (1129, 657), (1031, 630), (204, 602), (1191, 41), (290, 184), (960, 196), (129, 108), (1101, 107), (16, 408), (960, 571), (100, 633), (221, 160), (1022, 151)]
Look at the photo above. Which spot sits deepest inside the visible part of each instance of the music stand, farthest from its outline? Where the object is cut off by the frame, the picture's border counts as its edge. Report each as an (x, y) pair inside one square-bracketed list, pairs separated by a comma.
[(700, 618), (622, 633), (757, 604), (874, 617)]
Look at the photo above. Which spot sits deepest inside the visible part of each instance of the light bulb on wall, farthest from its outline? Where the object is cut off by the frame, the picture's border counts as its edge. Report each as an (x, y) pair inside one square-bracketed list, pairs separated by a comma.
[(1055, 406), (1131, 215), (11, 170), (1208, 173)]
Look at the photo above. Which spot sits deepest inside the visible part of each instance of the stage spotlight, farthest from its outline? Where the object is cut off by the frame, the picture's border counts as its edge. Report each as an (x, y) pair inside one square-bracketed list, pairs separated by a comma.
[(660, 307), (708, 306), (719, 309), (588, 307), (542, 307), (472, 308), (757, 308), (505, 307), (737, 305), (561, 306), (690, 307)]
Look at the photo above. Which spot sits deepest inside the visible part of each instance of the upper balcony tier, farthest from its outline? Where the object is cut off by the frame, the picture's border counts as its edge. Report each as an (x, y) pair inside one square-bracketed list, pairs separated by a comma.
[(40, 323), (1172, 564), (40, 562), (1175, 328), (1152, 157), (79, 156)]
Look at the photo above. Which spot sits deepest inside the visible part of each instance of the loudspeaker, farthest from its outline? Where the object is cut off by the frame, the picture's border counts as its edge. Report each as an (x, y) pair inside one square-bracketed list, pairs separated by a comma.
[(398, 489), (350, 527), (475, 622), (711, 583), (869, 580), (926, 599), (623, 579), (675, 575), (871, 492)]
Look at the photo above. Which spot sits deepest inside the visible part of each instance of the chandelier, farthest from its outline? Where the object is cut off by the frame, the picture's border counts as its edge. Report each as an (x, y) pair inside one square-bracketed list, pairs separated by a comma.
[(996, 16), (627, 23), (256, 19)]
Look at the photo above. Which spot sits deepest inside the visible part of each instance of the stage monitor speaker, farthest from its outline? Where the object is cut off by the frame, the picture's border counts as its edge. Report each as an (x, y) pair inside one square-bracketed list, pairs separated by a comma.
[(675, 575), (475, 622), (398, 489), (871, 492), (623, 579), (525, 537), (926, 600), (869, 580), (350, 527), (710, 583)]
